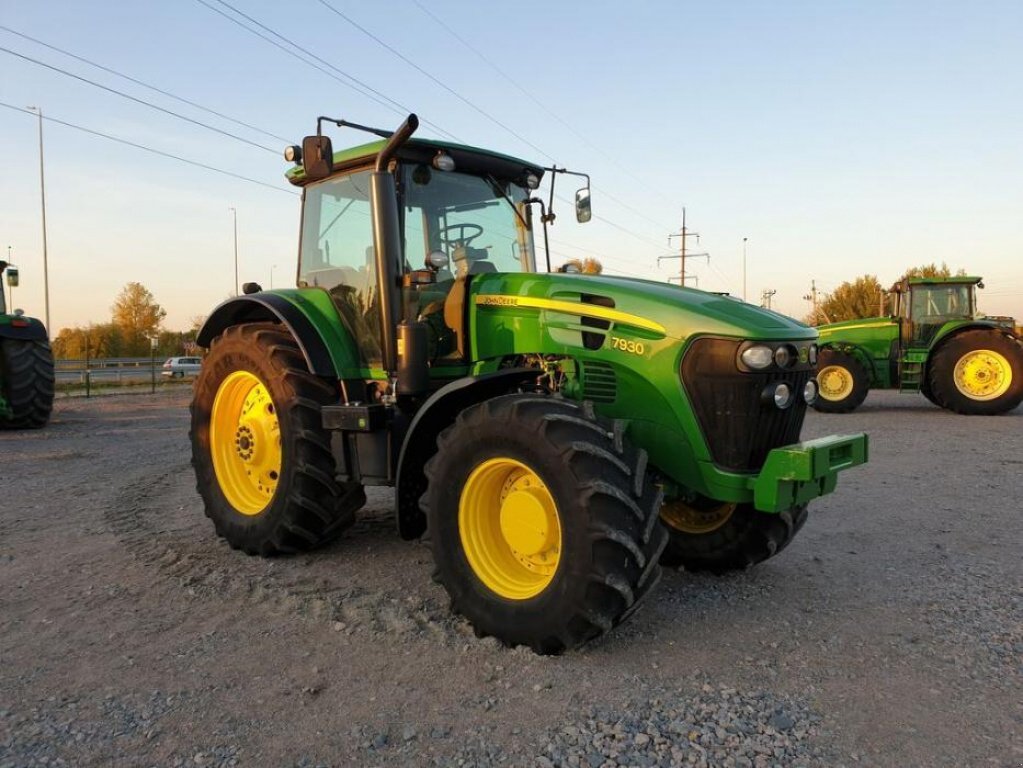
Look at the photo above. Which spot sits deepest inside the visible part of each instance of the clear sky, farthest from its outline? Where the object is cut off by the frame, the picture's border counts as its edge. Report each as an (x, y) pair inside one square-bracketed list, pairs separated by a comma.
[(840, 138)]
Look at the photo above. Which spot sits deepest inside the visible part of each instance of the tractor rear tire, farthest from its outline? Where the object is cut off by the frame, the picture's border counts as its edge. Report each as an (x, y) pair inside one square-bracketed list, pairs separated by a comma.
[(842, 382), (726, 537), (26, 371), (262, 459), (542, 520), (978, 373)]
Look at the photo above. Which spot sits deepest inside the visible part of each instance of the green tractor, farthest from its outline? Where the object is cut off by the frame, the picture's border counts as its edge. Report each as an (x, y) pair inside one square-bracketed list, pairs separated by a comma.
[(935, 342), (26, 365), (555, 436)]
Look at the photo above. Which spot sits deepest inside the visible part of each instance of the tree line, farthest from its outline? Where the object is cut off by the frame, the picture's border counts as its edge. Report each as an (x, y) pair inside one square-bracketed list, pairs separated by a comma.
[(865, 296), (136, 318)]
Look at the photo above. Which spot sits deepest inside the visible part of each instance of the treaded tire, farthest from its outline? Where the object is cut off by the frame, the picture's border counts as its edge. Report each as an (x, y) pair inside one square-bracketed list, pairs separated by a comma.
[(309, 507), (941, 372), (925, 390), (606, 507), (748, 537), (26, 370), (860, 381)]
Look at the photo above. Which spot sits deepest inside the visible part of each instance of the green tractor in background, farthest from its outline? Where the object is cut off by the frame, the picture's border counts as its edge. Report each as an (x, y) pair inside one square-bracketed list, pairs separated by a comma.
[(935, 342), (556, 436), (26, 365)]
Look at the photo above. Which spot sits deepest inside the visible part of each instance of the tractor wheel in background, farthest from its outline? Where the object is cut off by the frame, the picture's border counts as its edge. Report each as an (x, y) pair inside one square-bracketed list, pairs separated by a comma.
[(842, 382), (925, 390), (706, 535), (26, 372), (978, 372), (542, 520), (262, 459)]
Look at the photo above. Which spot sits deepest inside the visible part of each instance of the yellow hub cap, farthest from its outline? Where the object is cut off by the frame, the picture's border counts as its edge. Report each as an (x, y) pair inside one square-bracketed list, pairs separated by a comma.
[(834, 382), (509, 527), (687, 519), (245, 442), (983, 374)]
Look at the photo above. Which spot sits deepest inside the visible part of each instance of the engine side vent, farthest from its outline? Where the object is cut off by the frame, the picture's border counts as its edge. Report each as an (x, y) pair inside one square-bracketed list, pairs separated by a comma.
[(599, 382), (594, 339)]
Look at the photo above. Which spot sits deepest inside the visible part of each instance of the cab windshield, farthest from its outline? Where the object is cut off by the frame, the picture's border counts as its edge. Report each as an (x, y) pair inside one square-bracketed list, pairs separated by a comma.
[(478, 224)]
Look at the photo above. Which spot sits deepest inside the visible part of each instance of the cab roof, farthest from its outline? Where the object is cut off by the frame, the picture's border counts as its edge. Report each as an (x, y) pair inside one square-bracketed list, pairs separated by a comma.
[(423, 150)]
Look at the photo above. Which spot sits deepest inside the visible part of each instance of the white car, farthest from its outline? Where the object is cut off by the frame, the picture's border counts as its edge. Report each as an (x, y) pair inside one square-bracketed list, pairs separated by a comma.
[(179, 367)]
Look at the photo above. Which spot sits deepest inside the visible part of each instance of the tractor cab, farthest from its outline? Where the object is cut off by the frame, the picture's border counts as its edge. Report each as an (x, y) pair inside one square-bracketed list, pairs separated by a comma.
[(925, 304)]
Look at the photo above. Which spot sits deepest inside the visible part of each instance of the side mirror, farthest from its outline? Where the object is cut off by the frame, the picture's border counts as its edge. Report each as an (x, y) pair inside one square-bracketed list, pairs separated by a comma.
[(12, 277), (583, 213), (317, 157)]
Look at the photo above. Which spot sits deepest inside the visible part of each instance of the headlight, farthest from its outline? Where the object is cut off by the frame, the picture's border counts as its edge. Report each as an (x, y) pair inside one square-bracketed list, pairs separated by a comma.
[(784, 356), (810, 391), (782, 396), (758, 357), (813, 354)]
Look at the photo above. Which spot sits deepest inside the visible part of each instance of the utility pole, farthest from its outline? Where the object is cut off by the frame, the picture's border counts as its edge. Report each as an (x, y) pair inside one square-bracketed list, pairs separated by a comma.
[(744, 268), (765, 297), (42, 191), (812, 298), (682, 251), (235, 213)]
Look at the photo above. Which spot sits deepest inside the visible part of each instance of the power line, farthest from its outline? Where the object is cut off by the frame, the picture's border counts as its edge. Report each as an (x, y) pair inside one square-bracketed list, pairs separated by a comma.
[(138, 100), (349, 80), (149, 149), (146, 85), (439, 82)]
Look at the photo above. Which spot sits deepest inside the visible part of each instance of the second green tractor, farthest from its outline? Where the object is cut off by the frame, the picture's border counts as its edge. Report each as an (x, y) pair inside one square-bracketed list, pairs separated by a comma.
[(934, 342), (555, 436)]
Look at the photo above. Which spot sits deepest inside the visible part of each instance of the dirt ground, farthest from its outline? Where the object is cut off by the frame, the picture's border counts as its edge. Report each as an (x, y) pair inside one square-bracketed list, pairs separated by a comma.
[(891, 630)]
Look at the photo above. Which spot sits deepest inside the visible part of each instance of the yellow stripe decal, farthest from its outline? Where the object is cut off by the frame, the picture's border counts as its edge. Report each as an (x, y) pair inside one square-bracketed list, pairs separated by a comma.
[(571, 308), (851, 327)]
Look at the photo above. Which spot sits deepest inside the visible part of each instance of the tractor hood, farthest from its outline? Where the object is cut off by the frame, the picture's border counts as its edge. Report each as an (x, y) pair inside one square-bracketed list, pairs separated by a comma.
[(647, 307)]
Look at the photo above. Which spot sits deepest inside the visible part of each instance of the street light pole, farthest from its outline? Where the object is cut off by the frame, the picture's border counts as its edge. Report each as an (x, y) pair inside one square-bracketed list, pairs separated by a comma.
[(744, 268), (272, 268), (42, 190), (235, 213)]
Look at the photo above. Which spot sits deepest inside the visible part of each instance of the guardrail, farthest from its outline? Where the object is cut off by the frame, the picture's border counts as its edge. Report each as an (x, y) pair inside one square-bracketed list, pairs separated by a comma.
[(113, 371)]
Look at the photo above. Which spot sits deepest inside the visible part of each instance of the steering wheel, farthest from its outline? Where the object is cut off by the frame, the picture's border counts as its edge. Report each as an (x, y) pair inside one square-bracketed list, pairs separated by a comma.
[(474, 230)]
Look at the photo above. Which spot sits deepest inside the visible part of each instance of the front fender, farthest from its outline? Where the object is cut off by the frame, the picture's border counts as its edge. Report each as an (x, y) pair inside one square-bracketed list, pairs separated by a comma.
[(431, 419)]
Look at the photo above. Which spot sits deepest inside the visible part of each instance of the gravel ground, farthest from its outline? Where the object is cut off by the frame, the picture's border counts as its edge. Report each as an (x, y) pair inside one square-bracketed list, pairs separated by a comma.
[(889, 634)]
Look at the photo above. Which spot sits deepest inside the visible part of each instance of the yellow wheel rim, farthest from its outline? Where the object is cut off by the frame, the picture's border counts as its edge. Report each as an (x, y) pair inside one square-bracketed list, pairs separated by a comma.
[(245, 442), (688, 519), (983, 374), (509, 527), (834, 382)]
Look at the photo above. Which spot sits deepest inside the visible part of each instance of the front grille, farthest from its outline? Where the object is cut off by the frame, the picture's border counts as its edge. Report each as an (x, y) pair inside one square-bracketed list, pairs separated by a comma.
[(739, 427), (599, 382)]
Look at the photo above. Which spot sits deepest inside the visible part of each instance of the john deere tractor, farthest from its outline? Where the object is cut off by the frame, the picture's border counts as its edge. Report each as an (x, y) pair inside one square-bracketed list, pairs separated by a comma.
[(555, 436), (934, 342), (26, 365)]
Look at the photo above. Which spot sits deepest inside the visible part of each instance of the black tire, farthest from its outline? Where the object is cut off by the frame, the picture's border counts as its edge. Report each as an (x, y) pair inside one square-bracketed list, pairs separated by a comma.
[(26, 372), (850, 371), (309, 507), (606, 507), (745, 538), (958, 350), (925, 390)]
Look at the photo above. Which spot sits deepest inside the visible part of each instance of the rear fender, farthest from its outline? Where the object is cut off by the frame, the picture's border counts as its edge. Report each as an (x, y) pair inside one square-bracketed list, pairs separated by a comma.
[(274, 308), (430, 420), (22, 328)]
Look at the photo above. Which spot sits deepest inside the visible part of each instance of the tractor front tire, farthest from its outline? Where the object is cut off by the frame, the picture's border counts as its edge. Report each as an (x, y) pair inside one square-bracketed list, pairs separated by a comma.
[(262, 459), (842, 382), (26, 371), (978, 373), (542, 520), (720, 537)]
